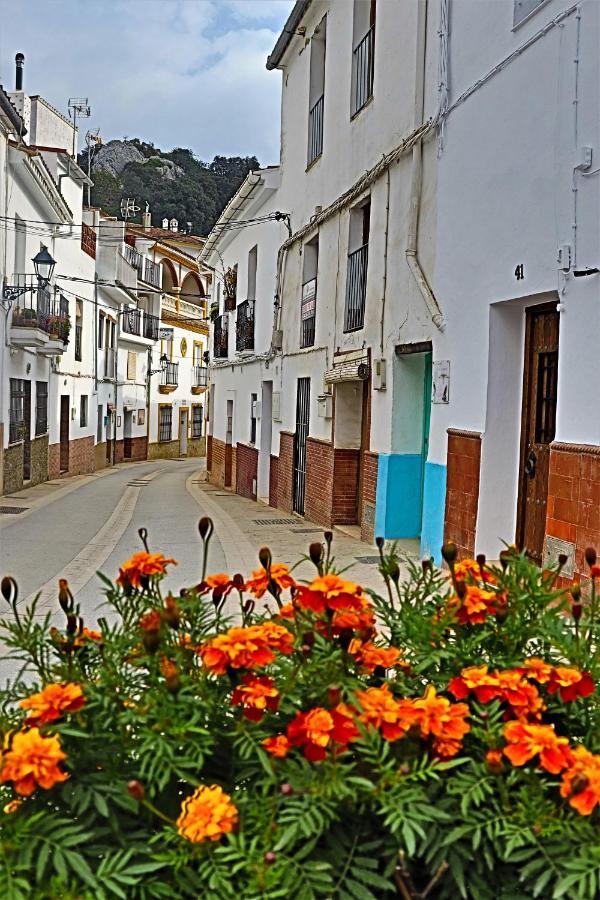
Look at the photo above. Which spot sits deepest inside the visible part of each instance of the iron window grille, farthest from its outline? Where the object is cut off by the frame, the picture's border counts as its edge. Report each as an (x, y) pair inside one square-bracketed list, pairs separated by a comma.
[(150, 326), (308, 313), (170, 374), (197, 421), (244, 326), (547, 392), (78, 342), (133, 257), (41, 407), (356, 289), (200, 376), (165, 423), (363, 59), (83, 410), (221, 338), (315, 129), (131, 321), (17, 410)]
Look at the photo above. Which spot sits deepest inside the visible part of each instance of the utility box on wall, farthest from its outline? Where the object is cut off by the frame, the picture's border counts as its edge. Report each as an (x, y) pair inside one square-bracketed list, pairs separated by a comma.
[(325, 406), (276, 407), (379, 383)]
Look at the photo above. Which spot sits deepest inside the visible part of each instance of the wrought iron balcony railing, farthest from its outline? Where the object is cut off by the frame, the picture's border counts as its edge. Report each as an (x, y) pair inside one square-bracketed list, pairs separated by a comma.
[(200, 376), (150, 326), (315, 129), (221, 337), (170, 375), (150, 272), (356, 288), (131, 321), (244, 326), (363, 59)]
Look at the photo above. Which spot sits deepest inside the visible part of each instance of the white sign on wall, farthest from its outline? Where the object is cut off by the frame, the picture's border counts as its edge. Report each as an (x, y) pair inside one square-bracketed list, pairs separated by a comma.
[(165, 334), (440, 383)]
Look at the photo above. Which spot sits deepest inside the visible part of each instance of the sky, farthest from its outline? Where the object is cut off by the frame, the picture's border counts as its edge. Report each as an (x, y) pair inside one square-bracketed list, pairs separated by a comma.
[(179, 73)]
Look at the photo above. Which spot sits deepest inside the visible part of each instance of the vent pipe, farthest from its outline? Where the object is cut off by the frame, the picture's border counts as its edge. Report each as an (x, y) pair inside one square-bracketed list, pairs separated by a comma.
[(19, 63)]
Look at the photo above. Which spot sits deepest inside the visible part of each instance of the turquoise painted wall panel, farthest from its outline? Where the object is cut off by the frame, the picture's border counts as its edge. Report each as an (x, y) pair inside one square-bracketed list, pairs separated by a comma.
[(398, 501), (434, 506)]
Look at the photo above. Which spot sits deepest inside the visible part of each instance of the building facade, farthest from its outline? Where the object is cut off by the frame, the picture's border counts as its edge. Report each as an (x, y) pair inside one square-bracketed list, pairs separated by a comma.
[(439, 167)]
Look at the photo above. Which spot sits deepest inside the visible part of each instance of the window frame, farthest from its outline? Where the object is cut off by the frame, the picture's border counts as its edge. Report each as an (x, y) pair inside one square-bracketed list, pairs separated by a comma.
[(39, 431), (194, 421), (162, 408), (83, 410)]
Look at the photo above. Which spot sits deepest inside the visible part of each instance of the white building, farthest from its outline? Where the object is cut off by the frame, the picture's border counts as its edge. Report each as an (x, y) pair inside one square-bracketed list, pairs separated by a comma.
[(244, 261), (436, 160)]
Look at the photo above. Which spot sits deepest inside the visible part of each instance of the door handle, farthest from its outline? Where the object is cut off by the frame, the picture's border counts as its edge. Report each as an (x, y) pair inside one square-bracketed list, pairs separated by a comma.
[(530, 464)]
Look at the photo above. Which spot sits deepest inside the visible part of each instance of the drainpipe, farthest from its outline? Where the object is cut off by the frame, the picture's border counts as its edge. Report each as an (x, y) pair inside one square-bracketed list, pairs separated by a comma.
[(417, 175)]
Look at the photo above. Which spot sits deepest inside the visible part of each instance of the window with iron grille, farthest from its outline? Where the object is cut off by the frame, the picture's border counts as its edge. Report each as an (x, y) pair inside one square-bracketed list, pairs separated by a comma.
[(196, 420), (165, 423), (78, 330), (358, 259), (316, 97), (41, 407), (100, 330), (308, 302), (17, 415), (83, 410), (363, 54), (253, 401)]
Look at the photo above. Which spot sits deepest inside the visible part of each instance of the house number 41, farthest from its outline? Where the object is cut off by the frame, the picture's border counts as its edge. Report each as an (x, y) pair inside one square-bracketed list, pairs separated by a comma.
[(520, 272)]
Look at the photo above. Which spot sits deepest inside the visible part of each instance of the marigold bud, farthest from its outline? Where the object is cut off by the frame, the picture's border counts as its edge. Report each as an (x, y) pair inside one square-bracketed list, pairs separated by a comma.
[(6, 587), (576, 611), (346, 635), (562, 560), (173, 683), (286, 789), (315, 551), (238, 581), (379, 542), (461, 589), (493, 761), (205, 527), (590, 556), (394, 572), (308, 638), (449, 552), (71, 624), (334, 694), (328, 535), (135, 789), (64, 595), (248, 607), (481, 560), (426, 565), (151, 641), (270, 858), (265, 558), (505, 558), (306, 649), (171, 612), (576, 590)]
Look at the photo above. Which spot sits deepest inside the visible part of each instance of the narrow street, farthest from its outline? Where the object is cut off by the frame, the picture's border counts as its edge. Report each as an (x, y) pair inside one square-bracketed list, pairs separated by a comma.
[(76, 527)]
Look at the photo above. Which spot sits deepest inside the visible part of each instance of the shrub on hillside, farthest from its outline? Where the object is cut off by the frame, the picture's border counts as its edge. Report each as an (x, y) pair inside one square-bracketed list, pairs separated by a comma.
[(320, 741)]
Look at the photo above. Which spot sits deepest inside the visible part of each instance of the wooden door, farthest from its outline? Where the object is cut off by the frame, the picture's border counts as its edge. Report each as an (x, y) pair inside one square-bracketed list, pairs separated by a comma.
[(64, 432), (538, 425)]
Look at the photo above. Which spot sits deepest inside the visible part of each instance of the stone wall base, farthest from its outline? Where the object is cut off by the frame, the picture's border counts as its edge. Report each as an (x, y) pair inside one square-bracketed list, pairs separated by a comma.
[(13, 469), (163, 450), (39, 460)]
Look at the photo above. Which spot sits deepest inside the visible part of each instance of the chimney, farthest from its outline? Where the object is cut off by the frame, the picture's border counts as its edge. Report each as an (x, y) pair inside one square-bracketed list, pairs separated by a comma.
[(146, 220), (19, 62)]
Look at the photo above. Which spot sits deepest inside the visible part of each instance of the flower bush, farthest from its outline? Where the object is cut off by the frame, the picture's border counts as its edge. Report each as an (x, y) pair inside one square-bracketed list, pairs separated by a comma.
[(261, 738)]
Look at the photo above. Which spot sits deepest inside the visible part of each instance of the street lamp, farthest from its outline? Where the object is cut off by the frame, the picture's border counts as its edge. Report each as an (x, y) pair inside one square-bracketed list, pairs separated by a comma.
[(164, 362), (44, 265)]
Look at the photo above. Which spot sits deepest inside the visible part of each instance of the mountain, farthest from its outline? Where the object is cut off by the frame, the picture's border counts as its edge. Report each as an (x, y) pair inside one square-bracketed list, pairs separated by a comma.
[(174, 184)]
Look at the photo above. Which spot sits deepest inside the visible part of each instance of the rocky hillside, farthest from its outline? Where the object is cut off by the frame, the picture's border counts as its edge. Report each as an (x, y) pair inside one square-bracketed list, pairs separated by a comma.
[(175, 184)]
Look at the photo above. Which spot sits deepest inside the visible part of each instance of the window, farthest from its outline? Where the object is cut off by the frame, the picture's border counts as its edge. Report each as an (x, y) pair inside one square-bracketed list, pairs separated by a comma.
[(78, 329), (252, 263), (41, 407), (524, 8), (253, 401), (100, 423), (363, 54), (17, 410), (100, 330), (20, 245), (308, 302), (197, 354), (316, 95), (358, 258), (83, 410), (197, 416), (165, 423), (131, 365)]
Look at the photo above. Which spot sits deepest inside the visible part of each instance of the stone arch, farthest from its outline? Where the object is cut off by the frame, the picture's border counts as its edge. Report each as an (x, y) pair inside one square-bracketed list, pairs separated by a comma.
[(169, 276), (193, 291)]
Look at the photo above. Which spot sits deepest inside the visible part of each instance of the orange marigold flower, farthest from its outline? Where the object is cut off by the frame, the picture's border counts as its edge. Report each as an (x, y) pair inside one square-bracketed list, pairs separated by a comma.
[(143, 565), (571, 683), (526, 740), (257, 694), (439, 717), (278, 746), (476, 605), (493, 759), (33, 761), (329, 592), (537, 669), (87, 634), (278, 574), (446, 749), (595, 572), (246, 648), (50, 703), (168, 668), (581, 781), (12, 806), (381, 710), (477, 680), (207, 815), (219, 582), (469, 570), (371, 657), (151, 621), (287, 611), (509, 686), (319, 728)]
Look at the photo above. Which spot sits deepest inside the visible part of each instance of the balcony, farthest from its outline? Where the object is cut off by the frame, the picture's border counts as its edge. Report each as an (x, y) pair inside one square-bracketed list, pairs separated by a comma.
[(88, 240), (221, 337), (149, 272), (244, 327), (169, 378), (137, 323), (133, 257), (199, 379), (315, 129), (363, 58), (131, 321), (308, 313), (39, 320), (115, 268), (150, 326), (356, 289)]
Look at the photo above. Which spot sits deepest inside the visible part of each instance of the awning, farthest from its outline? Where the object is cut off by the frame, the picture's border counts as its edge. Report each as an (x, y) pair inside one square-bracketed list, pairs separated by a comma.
[(352, 366)]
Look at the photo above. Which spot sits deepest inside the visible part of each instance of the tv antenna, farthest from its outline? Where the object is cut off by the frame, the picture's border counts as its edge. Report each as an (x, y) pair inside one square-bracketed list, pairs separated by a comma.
[(79, 107), (93, 142), (129, 208)]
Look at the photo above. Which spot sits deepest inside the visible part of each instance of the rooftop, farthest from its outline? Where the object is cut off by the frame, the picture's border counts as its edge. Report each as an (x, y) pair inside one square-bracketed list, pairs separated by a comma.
[(289, 30)]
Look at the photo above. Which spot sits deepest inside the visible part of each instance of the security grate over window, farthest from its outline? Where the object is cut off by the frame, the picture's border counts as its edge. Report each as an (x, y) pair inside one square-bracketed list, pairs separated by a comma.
[(41, 407), (165, 423)]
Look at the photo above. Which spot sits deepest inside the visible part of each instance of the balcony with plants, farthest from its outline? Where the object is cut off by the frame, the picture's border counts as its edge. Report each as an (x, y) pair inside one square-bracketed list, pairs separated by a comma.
[(40, 319), (244, 327)]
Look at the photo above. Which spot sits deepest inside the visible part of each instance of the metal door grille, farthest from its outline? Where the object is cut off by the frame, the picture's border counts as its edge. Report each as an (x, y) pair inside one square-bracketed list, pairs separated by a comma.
[(547, 385), (300, 436)]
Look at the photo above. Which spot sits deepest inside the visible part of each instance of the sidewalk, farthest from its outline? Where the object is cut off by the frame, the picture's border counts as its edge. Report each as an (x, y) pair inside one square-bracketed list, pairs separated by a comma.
[(244, 526)]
